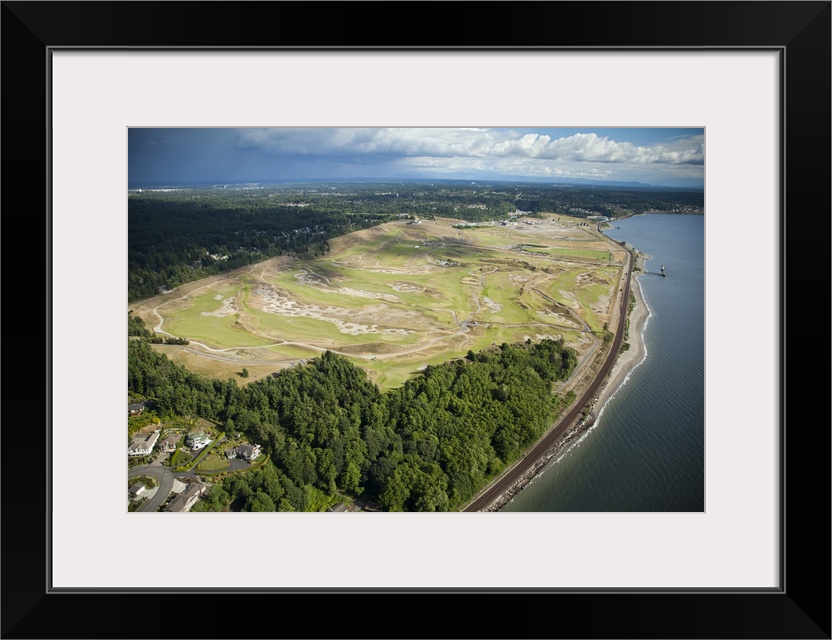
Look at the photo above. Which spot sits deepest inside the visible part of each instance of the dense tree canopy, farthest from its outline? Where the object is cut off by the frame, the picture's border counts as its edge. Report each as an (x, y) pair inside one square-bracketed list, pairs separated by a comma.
[(427, 446), (137, 327)]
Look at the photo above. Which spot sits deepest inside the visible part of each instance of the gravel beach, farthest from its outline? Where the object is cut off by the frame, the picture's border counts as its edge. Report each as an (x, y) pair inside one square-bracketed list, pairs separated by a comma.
[(634, 355)]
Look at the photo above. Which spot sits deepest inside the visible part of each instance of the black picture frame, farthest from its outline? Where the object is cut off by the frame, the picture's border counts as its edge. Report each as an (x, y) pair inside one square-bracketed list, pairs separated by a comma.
[(800, 608)]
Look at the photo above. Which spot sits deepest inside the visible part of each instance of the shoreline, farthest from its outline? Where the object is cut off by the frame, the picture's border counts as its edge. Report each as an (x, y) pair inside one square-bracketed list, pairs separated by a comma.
[(617, 378), (637, 352)]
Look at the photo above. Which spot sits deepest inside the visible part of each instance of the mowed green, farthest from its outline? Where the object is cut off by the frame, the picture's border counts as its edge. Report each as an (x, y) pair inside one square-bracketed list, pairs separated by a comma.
[(592, 254)]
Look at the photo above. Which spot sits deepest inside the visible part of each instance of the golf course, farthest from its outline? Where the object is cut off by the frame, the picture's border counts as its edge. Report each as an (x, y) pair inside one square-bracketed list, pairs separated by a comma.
[(398, 297)]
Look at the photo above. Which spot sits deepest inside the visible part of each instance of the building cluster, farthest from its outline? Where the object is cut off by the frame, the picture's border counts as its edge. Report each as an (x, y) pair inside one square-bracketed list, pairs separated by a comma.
[(144, 443)]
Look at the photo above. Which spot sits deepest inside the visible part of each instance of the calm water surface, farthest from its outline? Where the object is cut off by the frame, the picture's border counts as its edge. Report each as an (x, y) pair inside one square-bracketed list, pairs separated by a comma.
[(646, 452)]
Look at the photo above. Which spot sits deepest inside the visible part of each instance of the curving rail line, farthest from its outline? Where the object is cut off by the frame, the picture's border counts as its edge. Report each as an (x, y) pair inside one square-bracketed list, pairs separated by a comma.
[(551, 438)]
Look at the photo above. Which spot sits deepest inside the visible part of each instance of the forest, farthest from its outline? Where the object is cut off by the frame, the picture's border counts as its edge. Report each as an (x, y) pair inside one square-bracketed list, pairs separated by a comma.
[(331, 434), (178, 235)]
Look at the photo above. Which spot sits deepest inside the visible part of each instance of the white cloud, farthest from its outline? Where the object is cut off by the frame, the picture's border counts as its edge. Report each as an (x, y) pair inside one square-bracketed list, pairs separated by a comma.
[(590, 147), (470, 143)]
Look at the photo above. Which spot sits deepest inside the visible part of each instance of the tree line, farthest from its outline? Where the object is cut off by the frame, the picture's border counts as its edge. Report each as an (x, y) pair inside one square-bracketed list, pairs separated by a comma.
[(136, 327)]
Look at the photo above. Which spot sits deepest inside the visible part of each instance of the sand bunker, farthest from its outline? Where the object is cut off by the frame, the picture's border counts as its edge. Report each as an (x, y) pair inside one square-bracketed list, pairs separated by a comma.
[(569, 299), (311, 279), (358, 293), (228, 308), (583, 279), (561, 317), (272, 300), (602, 305), (406, 287), (496, 307)]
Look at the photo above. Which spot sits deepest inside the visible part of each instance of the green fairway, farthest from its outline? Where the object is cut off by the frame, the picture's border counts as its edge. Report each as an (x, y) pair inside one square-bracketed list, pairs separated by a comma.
[(503, 304), (221, 330), (592, 254), (390, 374), (293, 351), (588, 296), (301, 328)]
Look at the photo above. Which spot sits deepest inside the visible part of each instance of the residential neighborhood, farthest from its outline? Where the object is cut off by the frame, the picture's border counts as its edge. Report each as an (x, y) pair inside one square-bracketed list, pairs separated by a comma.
[(172, 465)]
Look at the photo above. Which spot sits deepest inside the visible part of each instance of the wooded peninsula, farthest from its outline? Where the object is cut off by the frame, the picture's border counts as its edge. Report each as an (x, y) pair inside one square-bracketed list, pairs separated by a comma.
[(330, 434)]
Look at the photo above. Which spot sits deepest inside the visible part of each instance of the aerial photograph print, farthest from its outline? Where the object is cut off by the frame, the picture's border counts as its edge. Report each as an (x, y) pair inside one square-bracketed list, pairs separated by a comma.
[(480, 319)]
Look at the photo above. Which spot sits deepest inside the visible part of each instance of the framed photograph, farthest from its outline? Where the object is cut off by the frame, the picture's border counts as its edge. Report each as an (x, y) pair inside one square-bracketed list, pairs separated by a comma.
[(753, 77)]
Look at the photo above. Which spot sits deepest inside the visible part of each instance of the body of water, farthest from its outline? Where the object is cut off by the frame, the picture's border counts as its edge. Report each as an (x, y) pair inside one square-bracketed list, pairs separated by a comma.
[(646, 451)]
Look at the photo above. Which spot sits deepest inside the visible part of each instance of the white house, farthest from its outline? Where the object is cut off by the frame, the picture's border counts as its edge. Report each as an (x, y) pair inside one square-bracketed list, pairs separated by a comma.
[(143, 444), (197, 440)]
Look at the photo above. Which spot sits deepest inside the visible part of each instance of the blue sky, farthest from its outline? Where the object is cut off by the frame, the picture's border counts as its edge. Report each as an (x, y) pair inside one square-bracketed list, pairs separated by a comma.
[(657, 156)]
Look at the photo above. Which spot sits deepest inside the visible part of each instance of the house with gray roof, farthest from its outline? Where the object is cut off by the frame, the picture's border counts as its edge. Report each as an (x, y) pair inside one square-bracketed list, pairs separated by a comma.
[(245, 451), (143, 444), (168, 445), (137, 489), (136, 408), (187, 499)]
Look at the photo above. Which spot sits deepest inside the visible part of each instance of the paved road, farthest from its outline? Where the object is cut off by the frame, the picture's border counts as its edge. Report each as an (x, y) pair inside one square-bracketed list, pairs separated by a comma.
[(163, 477), (491, 493)]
